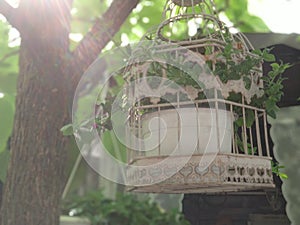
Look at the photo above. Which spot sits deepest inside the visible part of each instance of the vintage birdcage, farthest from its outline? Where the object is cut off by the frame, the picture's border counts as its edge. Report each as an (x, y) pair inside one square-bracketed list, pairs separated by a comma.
[(194, 123)]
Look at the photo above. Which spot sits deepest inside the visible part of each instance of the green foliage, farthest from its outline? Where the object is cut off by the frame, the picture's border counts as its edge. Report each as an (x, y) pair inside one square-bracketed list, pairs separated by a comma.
[(146, 16), (273, 87), (67, 130), (126, 209), (173, 73), (237, 9), (6, 118), (148, 13), (8, 79), (84, 14), (276, 169), (237, 13), (250, 150), (228, 68), (231, 70), (8, 76), (4, 159), (114, 146), (111, 143)]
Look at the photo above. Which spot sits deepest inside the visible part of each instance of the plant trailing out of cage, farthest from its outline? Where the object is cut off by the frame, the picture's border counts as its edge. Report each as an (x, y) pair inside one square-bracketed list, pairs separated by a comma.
[(227, 68), (276, 169)]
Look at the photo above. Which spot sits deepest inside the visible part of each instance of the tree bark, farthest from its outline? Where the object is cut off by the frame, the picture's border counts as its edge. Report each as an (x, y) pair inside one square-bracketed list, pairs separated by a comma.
[(36, 171), (100, 34), (10, 14)]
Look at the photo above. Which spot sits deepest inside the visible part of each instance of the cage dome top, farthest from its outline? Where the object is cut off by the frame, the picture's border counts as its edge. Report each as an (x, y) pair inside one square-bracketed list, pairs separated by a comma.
[(195, 25), (190, 19)]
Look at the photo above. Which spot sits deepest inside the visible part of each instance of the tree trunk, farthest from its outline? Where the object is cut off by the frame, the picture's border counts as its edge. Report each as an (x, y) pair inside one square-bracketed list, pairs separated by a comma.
[(47, 77), (36, 172)]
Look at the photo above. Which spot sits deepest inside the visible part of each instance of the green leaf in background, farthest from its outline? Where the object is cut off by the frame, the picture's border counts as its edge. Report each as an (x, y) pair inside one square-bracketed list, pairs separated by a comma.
[(238, 8), (67, 130), (146, 16), (125, 209), (253, 23), (6, 119), (8, 56), (250, 118), (4, 159), (84, 13), (237, 12), (8, 82), (114, 146)]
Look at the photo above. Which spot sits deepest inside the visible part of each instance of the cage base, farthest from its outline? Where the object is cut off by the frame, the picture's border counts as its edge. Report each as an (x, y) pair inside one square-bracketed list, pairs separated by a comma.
[(200, 174)]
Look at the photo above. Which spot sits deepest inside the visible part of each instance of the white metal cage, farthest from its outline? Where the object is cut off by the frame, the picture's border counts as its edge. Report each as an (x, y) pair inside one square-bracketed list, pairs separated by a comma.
[(195, 137)]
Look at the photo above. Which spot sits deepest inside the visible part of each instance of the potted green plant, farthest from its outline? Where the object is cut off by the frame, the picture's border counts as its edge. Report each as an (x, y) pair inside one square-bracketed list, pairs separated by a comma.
[(227, 69), (230, 65)]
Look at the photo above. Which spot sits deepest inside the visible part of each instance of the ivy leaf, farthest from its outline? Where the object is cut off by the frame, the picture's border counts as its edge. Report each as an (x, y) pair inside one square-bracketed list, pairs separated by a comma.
[(276, 170), (271, 113), (250, 118), (283, 176), (67, 130), (275, 66), (239, 122), (268, 57)]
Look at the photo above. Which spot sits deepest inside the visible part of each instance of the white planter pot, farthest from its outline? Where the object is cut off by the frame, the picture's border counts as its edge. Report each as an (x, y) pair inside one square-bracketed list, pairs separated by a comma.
[(180, 131)]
